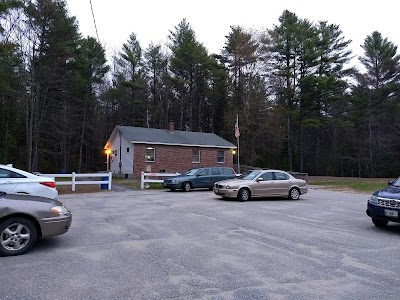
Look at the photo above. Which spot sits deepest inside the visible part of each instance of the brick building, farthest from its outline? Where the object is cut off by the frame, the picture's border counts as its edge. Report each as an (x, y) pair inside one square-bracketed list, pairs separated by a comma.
[(131, 150)]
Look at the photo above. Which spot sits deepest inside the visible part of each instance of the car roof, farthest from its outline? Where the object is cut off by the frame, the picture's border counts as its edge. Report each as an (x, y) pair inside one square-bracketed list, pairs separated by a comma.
[(11, 168), (223, 167), (22, 172), (267, 170)]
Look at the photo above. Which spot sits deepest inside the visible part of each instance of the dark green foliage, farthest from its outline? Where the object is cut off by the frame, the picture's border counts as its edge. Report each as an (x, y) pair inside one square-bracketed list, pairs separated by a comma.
[(300, 106), (130, 78), (190, 67), (156, 64), (375, 109)]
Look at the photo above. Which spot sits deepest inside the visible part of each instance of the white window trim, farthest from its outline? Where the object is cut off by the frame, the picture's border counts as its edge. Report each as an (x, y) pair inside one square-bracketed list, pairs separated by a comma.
[(220, 162), (196, 162), (150, 161)]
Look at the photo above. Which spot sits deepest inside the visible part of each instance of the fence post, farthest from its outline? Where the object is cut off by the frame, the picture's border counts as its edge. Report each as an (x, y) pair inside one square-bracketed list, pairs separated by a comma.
[(142, 180), (73, 181), (109, 180)]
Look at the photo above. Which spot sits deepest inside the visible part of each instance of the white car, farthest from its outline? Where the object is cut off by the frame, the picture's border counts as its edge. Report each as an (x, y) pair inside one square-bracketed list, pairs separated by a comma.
[(15, 181)]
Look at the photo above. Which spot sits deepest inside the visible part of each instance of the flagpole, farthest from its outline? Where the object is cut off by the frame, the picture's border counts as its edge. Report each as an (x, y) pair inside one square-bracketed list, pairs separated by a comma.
[(238, 151)]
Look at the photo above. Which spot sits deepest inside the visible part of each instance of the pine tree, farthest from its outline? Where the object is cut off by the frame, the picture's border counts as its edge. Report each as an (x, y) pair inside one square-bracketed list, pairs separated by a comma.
[(189, 65), (156, 64), (132, 82), (376, 96)]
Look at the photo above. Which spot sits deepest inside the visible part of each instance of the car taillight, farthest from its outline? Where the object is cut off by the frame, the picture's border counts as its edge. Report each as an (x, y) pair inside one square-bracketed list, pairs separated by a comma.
[(49, 184)]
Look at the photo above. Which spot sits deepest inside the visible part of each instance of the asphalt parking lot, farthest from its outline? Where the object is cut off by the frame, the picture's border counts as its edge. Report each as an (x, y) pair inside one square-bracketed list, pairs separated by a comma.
[(174, 245)]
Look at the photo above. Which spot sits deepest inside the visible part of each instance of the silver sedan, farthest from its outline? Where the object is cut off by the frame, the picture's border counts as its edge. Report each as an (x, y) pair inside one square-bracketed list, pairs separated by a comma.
[(24, 219), (262, 183)]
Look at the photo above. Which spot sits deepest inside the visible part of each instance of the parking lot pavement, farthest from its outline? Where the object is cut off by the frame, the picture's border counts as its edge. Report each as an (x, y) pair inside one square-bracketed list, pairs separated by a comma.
[(157, 244)]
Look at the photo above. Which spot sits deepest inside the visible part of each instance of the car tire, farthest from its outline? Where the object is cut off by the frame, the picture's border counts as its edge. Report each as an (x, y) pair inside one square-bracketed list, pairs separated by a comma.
[(186, 186), (243, 194), (380, 223), (294, 194), (17, 236)]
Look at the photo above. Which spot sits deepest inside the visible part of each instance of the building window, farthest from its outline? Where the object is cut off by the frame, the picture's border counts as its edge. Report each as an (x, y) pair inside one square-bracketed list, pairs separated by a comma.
[(220, 156), (150, 155), (127, 150), (195, 155)]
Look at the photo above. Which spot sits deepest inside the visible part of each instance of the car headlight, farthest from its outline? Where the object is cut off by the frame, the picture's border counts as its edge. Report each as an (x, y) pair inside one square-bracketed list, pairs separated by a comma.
[(373, 200), (174, 181), (226, 186), (60, 210)]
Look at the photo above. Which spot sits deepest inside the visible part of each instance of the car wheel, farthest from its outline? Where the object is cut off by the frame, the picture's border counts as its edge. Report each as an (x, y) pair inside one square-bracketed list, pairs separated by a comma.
[(294, 194), (379, 223), (17, 236), (186, 186), (243, 194)]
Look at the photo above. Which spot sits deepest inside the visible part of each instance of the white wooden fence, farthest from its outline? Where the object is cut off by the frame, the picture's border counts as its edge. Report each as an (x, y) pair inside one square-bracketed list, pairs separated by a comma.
[(144, 177), (74, 176)]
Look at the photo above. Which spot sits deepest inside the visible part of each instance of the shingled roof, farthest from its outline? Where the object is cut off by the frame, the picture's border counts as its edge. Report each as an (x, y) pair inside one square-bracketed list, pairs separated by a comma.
[(176, 137)]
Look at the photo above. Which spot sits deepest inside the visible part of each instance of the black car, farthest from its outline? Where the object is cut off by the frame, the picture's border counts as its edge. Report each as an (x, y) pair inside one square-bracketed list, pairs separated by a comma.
[(384, 205), (199, 178)]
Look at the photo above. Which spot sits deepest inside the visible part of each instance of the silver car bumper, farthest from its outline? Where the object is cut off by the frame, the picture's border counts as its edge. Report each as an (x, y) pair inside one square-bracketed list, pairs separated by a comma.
[(55, 226), (228, 193)]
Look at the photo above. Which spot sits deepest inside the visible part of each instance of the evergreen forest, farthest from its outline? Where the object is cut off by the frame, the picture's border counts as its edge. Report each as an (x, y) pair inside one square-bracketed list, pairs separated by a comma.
[(302, 102)]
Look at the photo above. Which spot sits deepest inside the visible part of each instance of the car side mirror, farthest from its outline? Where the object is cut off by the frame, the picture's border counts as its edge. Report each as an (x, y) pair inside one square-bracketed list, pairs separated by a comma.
[(390, 182), (260, 179), (198, 175)]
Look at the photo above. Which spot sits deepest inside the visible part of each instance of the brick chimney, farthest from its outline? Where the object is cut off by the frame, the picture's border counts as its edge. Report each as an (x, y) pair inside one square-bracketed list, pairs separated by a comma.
[(171, 126)]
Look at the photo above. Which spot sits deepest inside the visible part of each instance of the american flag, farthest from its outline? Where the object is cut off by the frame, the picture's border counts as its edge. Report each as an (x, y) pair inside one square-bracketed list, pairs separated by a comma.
[(237, 132)]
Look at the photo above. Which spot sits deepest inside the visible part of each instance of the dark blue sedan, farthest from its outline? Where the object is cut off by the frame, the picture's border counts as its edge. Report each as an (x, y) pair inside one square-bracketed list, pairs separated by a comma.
[(384, 205)]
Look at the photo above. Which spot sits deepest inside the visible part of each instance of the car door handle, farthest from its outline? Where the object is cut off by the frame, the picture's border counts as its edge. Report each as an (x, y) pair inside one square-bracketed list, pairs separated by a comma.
[(22, 193)]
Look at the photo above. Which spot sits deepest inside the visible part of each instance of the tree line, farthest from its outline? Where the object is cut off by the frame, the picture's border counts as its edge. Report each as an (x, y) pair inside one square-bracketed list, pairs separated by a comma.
[(302, 106)]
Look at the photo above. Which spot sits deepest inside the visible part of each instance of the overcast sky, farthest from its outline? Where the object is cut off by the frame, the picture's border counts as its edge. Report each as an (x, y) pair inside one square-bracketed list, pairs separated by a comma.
[(152, 20)]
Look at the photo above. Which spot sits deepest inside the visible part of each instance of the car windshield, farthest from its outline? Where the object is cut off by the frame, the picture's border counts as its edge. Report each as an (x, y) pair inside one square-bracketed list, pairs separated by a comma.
[(191, 172), (396, 183), (250, 175)]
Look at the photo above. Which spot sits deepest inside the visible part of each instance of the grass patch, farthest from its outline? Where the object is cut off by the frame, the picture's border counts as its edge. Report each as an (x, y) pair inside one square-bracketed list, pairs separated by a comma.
[(135, 183), (364, 185), (81, 188), (132, 183)]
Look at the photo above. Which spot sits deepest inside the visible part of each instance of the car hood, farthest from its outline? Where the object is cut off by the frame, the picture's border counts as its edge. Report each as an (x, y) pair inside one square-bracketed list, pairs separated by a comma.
[(391, 192), (28, 198), (233, 181)]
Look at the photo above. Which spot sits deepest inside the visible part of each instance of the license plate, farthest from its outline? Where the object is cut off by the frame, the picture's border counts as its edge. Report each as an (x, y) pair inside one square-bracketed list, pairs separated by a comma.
[(391, 213)]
